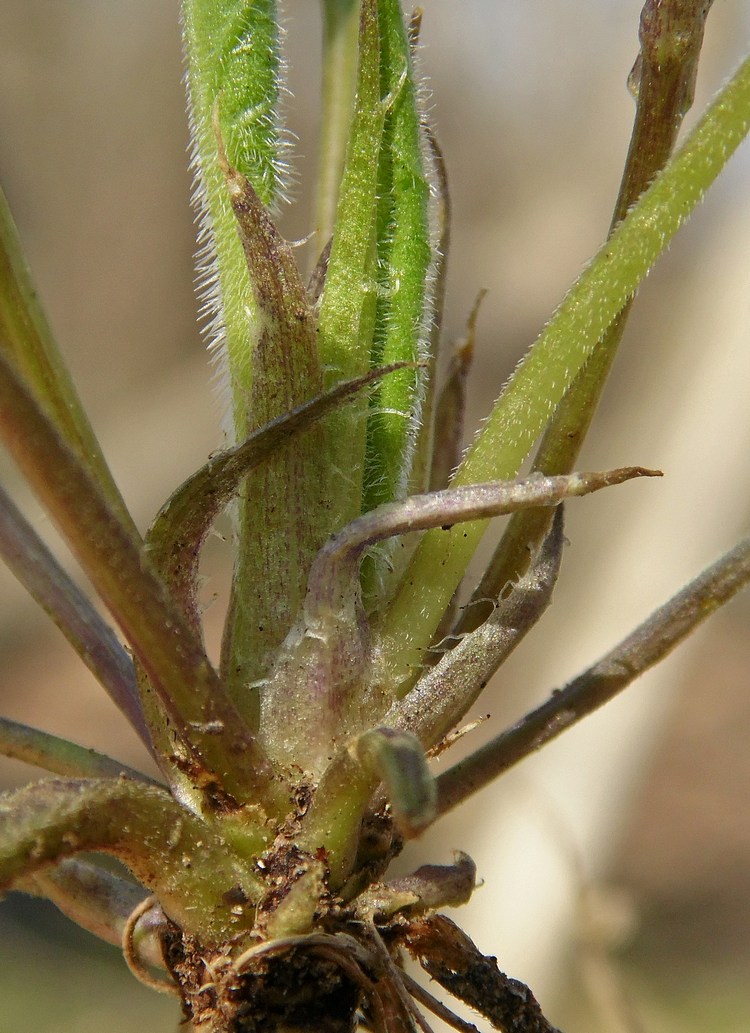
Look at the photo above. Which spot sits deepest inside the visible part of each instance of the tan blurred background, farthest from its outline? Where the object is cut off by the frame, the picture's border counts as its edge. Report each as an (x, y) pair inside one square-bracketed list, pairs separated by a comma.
[(638, 825)]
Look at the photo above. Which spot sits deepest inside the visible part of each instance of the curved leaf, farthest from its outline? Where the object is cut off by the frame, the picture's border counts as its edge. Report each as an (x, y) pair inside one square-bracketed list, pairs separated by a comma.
[(159, 841), (326, 664)]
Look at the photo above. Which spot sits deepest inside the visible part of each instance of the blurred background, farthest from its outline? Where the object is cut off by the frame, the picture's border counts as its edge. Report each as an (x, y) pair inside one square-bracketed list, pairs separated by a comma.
[(617, 862)]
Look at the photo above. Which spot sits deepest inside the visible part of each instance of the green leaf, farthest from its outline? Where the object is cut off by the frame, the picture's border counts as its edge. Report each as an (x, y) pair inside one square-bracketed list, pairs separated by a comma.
[(324, 666), (181, 527), (150, 833), (263, 324), (347, 305), (450, 408), (663, 81), (549, 368), (445, 692), (233, 63), (286, 496), (27, 340), (217, 747), (405, 273)]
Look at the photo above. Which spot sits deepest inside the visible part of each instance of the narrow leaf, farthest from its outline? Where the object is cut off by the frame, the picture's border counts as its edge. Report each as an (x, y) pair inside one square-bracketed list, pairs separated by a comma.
[(219, 748), (326, 664), (444, 694), (646, 646), (542, 378), (271, 568), (333, 575), (36, 568), (100, 902), (233, 60), (440, 230), (663, 81), (27, 340), (261, 326), (58, 755)]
